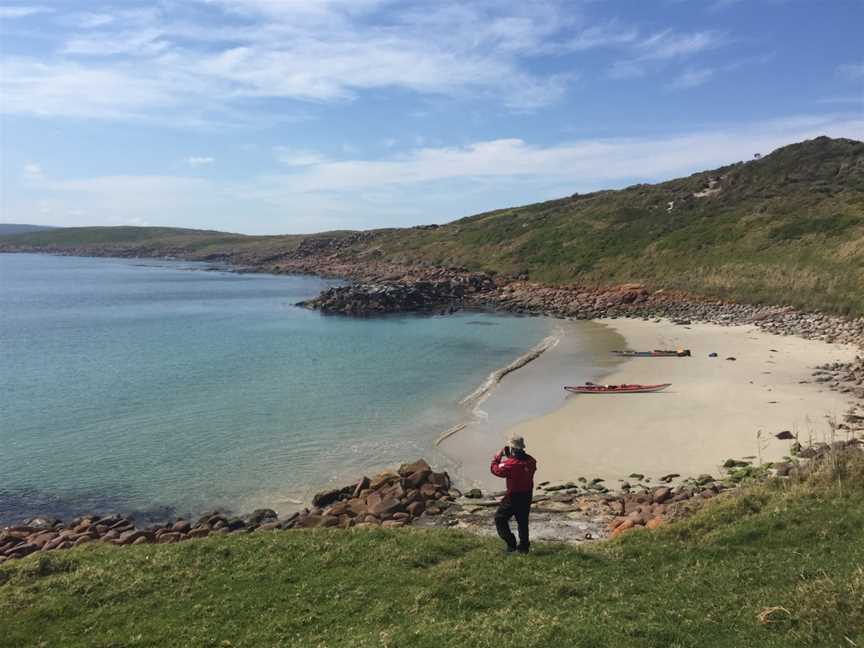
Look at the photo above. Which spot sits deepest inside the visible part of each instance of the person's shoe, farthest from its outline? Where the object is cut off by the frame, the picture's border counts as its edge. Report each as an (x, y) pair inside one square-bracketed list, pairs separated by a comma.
[(508, 551), (522, 550)]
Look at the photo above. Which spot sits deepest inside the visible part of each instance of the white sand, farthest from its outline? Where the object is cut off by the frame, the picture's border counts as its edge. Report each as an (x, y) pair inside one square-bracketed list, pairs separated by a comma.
[(712, 412)]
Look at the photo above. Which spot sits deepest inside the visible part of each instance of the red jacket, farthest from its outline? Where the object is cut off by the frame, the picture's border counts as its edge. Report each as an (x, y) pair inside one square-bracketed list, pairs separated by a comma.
[(518, 469)]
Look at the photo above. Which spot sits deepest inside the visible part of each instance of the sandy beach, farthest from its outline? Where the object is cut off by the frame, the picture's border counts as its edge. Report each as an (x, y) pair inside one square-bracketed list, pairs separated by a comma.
[(714, 410)]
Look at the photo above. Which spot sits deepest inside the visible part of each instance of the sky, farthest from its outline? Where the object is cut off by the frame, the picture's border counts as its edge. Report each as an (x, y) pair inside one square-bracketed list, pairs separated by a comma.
[(295, 116)]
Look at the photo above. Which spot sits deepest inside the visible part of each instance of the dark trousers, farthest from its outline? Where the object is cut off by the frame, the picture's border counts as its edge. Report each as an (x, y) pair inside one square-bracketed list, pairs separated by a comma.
[(518, 505)]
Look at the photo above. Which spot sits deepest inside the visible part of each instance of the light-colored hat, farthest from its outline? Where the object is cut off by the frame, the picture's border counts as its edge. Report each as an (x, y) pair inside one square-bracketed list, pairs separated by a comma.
[(516, 442)]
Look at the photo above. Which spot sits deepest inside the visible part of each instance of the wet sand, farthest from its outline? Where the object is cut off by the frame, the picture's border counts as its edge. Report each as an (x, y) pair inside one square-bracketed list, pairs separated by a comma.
[(714, 410), (582, 352)]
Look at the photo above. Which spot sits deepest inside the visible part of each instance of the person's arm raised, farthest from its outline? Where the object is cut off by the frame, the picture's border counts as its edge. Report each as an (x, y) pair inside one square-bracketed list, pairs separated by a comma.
[(498, 468)]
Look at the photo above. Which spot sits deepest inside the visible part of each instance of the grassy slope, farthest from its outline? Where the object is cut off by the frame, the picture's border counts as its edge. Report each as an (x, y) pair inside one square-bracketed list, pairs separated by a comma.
[(21, 228), (701, 582), (788, 228), (126, 235)]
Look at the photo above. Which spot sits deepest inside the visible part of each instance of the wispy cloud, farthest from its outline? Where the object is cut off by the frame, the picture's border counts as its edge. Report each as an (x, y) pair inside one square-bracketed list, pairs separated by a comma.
[(32, 172), (692, 78), (297, 157), (22, 11), (195, 161), (669, 44), (655, 52), (136, 63), (852, 70)]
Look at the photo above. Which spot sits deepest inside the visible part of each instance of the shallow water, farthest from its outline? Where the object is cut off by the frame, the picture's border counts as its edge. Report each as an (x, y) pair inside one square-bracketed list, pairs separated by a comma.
[(158, 386)]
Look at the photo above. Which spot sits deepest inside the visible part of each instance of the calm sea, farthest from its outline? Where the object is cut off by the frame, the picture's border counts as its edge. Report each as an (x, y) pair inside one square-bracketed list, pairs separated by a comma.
[(168, 388)]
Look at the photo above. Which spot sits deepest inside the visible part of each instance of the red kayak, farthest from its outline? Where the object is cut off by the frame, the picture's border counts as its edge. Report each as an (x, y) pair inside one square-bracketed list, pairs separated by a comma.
[(591, 388)]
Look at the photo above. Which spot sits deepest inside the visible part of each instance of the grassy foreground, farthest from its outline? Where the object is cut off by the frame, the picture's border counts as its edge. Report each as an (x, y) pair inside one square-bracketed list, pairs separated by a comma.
[(778, 565)]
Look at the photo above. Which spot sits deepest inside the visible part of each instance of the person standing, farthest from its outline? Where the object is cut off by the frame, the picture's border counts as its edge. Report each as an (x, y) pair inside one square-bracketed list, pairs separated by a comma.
[(517, 467)]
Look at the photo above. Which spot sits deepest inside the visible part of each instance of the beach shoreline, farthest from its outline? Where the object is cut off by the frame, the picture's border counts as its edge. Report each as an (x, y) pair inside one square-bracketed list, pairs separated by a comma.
[(717, 408), (575, 351)]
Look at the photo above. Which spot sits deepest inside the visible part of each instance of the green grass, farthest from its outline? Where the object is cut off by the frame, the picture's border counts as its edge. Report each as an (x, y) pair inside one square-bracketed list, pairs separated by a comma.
[(701, 582), (786, 229)]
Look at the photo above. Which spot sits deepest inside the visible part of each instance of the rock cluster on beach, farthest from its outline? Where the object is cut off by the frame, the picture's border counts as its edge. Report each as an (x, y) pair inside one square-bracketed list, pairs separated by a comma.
[(417, 495), (588, 510), (390, 499), (843, 377)]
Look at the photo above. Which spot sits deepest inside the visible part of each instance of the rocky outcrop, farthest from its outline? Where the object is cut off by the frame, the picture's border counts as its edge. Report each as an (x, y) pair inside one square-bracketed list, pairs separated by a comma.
[(426, 290), (389, 499), (378, 299)]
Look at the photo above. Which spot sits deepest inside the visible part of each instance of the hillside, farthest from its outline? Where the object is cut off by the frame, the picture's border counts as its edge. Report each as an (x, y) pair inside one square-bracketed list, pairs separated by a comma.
[(787, 228), (20, 228), (779, 564)]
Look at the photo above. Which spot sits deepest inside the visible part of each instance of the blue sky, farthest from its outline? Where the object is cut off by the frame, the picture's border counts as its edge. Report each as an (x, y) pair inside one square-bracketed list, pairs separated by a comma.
[(277, 116)]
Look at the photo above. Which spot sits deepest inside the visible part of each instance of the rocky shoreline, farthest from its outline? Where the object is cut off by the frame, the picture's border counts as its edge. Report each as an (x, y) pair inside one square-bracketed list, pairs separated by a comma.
[(571, 512), (380, 287)]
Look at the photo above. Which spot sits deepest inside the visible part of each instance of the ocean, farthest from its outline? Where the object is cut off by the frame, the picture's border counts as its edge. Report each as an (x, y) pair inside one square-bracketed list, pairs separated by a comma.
[(169, 388)]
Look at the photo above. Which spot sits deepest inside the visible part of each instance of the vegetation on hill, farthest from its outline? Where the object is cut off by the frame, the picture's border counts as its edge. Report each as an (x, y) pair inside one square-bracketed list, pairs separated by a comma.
[(124, 235), (787, 228), (20, 228), (778, 564)]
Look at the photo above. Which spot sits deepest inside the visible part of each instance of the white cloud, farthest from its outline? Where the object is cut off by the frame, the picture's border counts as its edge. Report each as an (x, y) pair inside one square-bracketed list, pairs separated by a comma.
[(32, 172), (297, 157), (22, 11), (93, 20), (73, 90), (655, 52), (133, 41), (669, 44), (606, 160), (608, 35), (199, 161)]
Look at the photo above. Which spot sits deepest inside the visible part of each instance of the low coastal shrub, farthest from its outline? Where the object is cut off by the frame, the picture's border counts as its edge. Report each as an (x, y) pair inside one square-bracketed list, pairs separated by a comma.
[(777, 564)]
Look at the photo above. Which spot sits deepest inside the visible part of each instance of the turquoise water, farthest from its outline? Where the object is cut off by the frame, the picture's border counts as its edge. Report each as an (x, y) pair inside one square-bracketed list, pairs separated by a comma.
[(162, 388)]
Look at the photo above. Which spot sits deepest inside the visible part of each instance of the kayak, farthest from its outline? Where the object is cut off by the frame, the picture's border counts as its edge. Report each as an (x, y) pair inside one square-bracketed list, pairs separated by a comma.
[(615, 389), (657, 353)]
